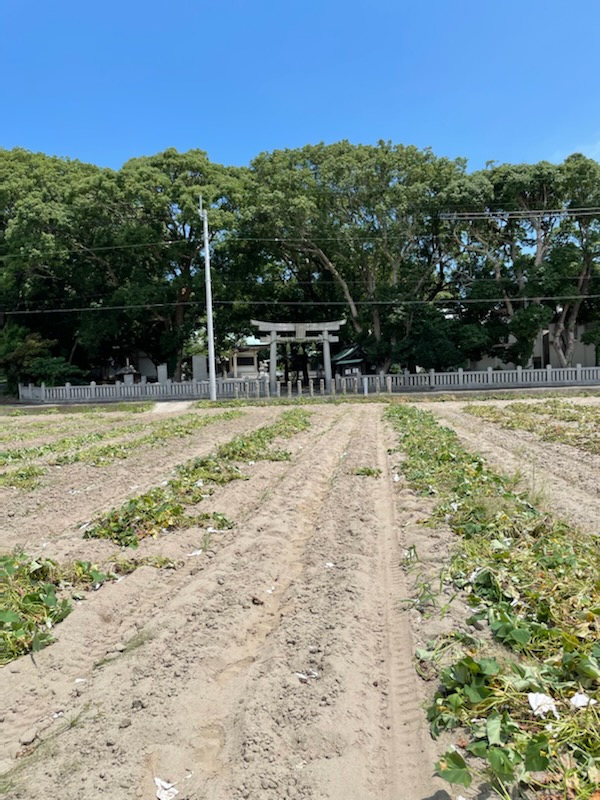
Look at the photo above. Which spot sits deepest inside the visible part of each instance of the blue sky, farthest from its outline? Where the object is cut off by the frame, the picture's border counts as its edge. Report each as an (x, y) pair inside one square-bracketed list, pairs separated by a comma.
[(106, 81)]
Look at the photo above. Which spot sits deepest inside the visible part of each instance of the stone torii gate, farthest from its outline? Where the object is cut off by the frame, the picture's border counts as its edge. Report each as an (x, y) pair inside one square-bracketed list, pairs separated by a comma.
[(275, 333)]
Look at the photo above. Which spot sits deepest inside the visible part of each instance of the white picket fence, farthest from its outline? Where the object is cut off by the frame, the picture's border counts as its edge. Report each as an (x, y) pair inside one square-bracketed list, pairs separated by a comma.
[(363, 384)]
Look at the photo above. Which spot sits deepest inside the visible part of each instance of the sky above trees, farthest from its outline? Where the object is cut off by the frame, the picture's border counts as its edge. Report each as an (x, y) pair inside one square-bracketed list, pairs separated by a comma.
[(105, 82)]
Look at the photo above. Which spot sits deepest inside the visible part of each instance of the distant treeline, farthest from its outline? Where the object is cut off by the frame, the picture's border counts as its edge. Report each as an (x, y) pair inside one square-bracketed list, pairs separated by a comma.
[(429, 264)]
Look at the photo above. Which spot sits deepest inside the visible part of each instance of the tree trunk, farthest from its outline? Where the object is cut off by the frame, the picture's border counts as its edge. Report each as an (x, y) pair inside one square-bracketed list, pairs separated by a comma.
[(182, 299)]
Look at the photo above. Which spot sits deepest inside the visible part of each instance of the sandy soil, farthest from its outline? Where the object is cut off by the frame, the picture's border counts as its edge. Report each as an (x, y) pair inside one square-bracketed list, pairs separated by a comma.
[(278, 664), (567, 480)]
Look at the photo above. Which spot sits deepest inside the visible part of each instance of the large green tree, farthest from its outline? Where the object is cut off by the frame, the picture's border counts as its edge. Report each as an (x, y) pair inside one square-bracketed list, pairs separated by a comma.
[(357, 226)]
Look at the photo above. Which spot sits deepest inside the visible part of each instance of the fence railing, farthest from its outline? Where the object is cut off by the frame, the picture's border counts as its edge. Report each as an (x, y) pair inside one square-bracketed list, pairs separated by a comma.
[(232, 388)]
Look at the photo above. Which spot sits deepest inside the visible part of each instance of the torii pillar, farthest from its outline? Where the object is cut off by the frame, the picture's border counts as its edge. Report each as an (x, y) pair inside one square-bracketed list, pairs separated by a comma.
[(283, 332)]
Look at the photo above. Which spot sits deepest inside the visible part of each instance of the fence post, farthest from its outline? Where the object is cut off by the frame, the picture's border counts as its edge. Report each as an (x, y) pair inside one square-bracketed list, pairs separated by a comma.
[(68, 390), (460, 376), (289, 389), (490, 376), (549, 373), (236, 391), (577, 367), (519, 374), (278, 392), (388, 384), (311, 387), (322, 386), (299, 388), (432, 377), (43, 392), (365, 385), (268, 389)]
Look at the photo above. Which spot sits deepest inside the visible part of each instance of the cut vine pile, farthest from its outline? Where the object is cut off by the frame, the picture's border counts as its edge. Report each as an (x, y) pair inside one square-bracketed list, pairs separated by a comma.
[(531, 714), (36, 594)]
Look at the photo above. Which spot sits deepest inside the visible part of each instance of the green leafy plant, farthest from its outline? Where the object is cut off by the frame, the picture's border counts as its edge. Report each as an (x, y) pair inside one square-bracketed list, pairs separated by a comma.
[(369, 472), (164, 508), (533, 580)]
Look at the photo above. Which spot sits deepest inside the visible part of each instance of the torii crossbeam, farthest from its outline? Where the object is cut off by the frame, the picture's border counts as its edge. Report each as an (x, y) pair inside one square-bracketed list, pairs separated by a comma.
[(275, 333)]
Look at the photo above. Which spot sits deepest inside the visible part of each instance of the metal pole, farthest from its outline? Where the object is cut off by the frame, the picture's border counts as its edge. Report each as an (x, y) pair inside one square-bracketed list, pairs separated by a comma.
[(212, 377)]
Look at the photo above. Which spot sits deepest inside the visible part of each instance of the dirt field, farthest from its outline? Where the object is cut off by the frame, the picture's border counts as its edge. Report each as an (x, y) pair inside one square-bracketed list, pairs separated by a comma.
[(277, 663), (567, 479)]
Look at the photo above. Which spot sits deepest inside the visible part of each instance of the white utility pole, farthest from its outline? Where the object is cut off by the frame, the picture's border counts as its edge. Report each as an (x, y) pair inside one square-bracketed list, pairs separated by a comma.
[(212, 377)]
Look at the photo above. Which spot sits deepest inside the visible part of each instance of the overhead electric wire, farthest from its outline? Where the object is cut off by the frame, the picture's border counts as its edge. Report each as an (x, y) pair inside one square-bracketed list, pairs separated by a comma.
[(191, 303), (449, 215)]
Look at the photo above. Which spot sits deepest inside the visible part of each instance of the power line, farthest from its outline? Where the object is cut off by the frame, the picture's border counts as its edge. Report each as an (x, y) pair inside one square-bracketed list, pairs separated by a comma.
[(194, 303), (520, 214), (442, 215)]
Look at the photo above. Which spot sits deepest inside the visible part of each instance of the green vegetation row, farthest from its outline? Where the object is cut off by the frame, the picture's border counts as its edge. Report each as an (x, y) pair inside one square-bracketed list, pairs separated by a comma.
[(26, 477), (165, 508), (36, 594), (552, 421), (83, 408), (531, 716), (72, 450)]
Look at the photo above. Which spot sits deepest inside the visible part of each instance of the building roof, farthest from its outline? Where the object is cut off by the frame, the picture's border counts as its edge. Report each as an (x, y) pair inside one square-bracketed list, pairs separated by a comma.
[(350, 355)]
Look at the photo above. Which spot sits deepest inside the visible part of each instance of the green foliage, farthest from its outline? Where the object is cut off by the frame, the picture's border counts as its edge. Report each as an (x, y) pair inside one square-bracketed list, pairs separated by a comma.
[(164, 508), (551, 420), (33, 601), (25, 357), (371, 472), (35, 595), (534, 580), (25, 477)]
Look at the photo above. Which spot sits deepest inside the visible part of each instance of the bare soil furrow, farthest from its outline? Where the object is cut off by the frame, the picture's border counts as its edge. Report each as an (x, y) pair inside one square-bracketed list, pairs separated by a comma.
[(566, 479)]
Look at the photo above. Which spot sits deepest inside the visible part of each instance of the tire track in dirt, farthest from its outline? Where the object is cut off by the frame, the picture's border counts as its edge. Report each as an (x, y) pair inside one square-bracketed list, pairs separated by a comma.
[(182, 600), (411, 755), (567, 479), (280, 667)]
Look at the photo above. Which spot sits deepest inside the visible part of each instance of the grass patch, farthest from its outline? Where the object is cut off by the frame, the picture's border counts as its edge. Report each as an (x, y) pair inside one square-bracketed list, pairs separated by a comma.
[(551, 421), (534, 581)]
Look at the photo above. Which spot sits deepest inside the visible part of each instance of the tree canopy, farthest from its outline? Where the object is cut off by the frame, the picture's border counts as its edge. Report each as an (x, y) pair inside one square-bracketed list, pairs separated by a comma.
[(429, 264)]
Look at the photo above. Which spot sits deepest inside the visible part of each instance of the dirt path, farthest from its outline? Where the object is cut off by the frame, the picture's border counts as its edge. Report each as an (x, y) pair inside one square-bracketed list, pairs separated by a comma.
[(567, 479), (278, 665)]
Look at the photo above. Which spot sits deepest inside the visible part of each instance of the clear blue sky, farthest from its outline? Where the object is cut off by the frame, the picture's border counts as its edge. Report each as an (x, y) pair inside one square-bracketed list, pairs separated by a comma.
[(106, 81)]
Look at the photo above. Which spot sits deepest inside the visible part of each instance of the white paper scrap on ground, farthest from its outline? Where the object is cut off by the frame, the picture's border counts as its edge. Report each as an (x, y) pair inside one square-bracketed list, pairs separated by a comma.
[(164, 790), (195, 553), (329, 564), (581, 700), (542, 704)]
